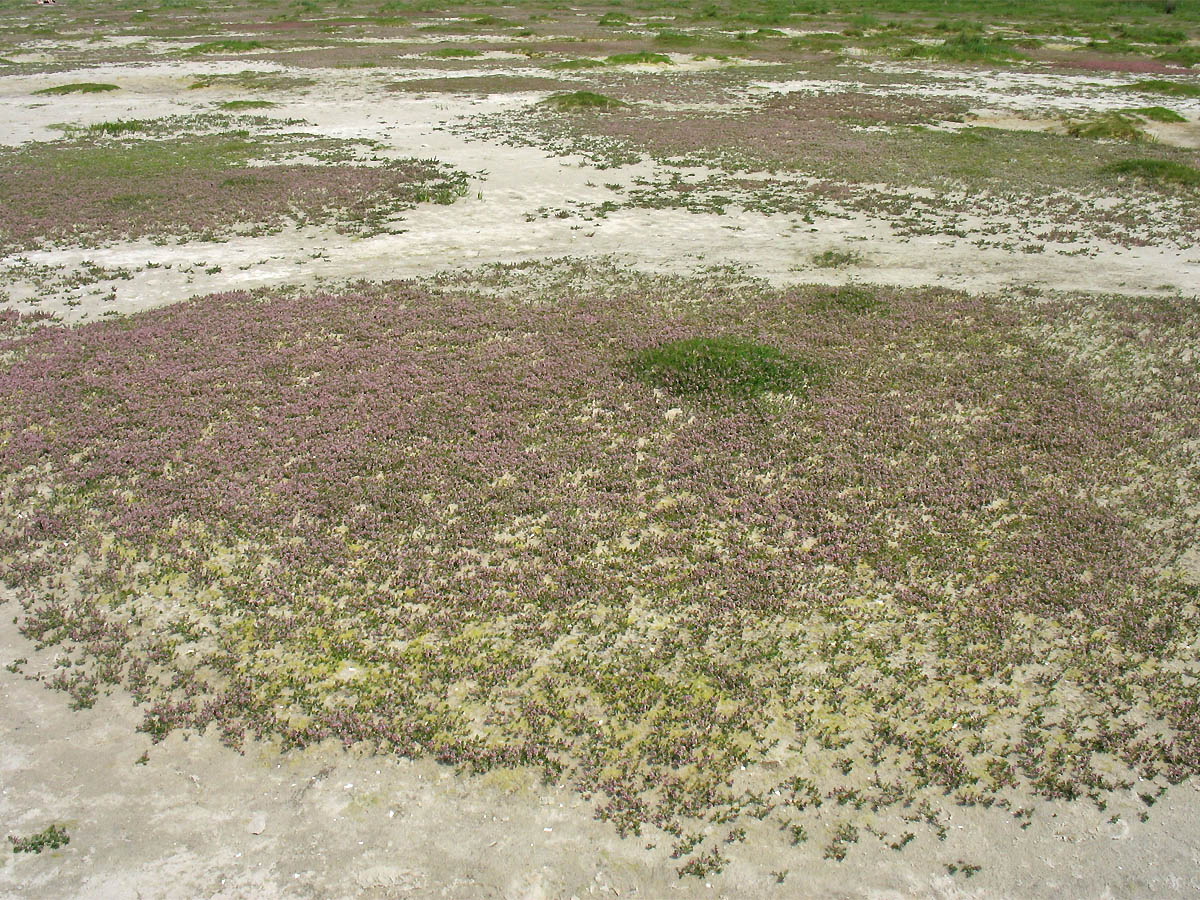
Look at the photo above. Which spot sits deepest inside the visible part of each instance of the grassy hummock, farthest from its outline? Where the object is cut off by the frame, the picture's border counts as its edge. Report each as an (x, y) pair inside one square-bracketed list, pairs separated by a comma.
[(79, 87), (720, 367), (580, 100)]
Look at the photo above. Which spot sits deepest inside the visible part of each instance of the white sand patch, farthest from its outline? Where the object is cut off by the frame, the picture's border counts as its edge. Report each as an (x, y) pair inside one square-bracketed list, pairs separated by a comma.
[(1017, 92), (491, 223)]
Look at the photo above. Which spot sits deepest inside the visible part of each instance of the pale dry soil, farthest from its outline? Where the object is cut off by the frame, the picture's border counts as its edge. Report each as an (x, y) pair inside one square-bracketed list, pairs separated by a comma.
[(199, 820)]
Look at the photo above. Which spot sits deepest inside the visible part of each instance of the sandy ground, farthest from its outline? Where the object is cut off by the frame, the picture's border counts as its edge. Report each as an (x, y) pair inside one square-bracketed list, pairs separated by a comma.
[(199, 820), (491, 223)]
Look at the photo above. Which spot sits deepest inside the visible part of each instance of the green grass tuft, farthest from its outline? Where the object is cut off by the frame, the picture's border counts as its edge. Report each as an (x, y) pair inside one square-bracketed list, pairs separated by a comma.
[(1157, 170), (1151, 34), (676, 39), (967, 46), (81, 87), (119, 126), (226, 46), (1109, 126), (1162, 86), (1155, 114), (1186, 56), (641, 58), (721, 367), (574, 100), (247, 104), (850, 298), (583, 63), (454, 53)]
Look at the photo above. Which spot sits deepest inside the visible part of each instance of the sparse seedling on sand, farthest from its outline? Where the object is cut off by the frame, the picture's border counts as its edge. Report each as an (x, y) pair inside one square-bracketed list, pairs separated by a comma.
[(837, 259), (50, 838)]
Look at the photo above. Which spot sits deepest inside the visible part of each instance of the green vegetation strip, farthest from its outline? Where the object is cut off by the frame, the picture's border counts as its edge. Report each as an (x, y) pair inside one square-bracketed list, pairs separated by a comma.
[(82, 87), (1156, 170)]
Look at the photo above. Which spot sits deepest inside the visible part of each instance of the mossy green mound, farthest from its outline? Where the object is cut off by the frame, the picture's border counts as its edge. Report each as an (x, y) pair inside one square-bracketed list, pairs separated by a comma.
[(721, 367)]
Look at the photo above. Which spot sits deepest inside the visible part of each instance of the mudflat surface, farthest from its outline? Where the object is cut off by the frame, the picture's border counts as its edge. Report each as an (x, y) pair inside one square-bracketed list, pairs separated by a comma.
[(199, 820)]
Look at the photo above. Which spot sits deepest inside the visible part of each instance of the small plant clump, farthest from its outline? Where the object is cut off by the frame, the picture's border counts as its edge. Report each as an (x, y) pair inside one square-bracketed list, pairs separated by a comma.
[(234, 105), (581, 63), (81, 87), (967, 46), (120, 126), (836, 259), (225, 46), (454, 53), (581, 100), (1155, 114), (641, 58), (721, 366), (52, 837), (1109, 126)]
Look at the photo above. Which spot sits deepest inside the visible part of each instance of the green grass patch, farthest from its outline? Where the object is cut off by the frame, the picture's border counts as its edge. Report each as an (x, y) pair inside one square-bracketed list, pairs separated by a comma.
[(247, 104), (252, 80), (494, 22), (80, 87), (1155, 114), (1110, 126), (1182, 56), (967, 46), (851, 298), (1151, 34), (641, 58), (721, 367), (676, 39), (575, 100), (1156, 170), (226, 46), (119, 126), (613, 18), (454, 53), (584, 63), (1163, 86)]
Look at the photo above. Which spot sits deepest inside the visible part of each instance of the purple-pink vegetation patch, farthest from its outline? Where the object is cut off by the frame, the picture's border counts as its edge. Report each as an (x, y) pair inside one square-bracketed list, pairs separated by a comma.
[(96, 190), (443, 518)]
